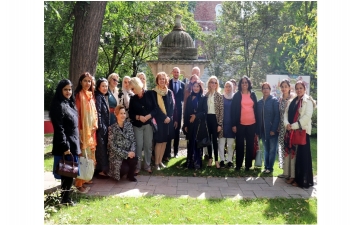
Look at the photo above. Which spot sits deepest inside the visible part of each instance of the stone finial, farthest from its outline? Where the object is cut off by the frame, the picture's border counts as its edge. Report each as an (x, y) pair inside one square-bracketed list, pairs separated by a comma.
[(178, 25)]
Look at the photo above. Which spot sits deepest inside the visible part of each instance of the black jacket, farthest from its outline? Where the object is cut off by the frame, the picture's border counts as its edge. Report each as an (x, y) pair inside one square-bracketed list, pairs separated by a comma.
[(201, 113), (102, 120), (64, 118), (142, 106), (236, 108)]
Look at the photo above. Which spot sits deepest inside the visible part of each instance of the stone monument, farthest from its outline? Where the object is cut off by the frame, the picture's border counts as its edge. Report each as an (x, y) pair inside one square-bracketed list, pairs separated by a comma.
[(177, 50)]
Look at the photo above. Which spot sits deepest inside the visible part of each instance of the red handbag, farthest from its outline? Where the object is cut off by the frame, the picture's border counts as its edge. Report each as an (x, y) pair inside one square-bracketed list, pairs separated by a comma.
[(298, 137)]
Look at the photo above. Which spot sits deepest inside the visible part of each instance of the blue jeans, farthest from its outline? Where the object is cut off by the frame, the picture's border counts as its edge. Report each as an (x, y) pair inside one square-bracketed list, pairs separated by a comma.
[(269, 151)]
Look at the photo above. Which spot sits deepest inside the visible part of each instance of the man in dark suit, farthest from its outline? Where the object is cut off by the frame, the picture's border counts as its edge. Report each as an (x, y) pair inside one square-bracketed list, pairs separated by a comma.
[(178, 88)]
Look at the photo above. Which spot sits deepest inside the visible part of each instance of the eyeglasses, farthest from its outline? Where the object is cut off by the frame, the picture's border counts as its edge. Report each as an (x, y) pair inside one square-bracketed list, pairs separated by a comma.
[(266, 88), (115, 80), (212, 82)]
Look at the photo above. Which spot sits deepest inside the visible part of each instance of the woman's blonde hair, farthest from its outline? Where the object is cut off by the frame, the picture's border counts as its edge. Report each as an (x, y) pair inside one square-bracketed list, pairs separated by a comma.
[(136, 83), (140, 74), (110, 77), (162, 74), (217, 89)]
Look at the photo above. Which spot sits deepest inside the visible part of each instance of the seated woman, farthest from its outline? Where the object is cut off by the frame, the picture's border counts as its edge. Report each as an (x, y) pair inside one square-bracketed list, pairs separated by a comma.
[(122, 146), (298, 114), (195, 125)]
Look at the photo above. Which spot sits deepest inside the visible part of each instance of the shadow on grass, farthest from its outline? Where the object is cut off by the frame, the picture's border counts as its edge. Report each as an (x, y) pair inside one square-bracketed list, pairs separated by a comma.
[(294, 211)]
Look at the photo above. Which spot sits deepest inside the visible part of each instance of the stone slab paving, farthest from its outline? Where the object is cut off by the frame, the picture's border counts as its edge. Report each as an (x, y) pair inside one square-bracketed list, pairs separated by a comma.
[(194, 187)]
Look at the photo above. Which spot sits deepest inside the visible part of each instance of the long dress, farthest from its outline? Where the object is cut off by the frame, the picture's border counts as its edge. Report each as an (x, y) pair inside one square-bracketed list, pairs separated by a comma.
[(102, 132), (282, 130), (197, 106)]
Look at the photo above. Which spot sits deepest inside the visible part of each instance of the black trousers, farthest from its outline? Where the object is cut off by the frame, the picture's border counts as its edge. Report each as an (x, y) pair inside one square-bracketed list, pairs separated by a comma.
[(66, 185), (128, 167), (167, 153), (245, 133), (213, 134)]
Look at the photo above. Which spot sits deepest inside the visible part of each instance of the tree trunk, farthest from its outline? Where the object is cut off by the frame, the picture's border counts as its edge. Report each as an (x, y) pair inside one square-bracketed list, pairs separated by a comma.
[(86, 38)]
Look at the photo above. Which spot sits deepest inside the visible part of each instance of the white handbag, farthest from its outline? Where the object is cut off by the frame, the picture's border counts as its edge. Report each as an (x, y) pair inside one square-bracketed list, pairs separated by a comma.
[(86, 168), (258, 158)]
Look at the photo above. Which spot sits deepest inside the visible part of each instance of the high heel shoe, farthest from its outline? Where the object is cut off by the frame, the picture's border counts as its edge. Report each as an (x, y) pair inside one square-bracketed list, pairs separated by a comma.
[(210, 162), (217, 164)]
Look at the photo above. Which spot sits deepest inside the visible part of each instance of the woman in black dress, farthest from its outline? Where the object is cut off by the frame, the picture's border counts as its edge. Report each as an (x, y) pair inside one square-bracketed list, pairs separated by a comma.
[(195, 125), (64, 118), (298, 114), (165, 101), (101, 96)]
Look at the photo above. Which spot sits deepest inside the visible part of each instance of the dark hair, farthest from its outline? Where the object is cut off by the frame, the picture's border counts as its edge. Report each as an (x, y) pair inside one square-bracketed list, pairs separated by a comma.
[(240, 83), (100, 81), (59, 97), (300, 82), (200, 87), (265, 83), (80, 87), (287, 82)]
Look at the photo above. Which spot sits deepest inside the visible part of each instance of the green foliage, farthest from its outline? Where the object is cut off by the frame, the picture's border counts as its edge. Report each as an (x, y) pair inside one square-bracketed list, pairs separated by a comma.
[(300, 40), (245, 36), (130, 31), (314, 123)]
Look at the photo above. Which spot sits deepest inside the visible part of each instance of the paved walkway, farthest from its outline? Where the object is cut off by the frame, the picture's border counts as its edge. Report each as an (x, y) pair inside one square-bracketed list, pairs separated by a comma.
[(195, 187)]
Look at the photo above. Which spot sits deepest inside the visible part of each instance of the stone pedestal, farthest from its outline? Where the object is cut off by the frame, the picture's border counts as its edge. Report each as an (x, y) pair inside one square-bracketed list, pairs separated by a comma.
[(184, 65)]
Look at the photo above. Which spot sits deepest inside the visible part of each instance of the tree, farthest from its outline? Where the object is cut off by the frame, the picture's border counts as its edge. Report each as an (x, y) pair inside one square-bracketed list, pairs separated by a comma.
[(243, 36), (301, 39), (86, 38), (131, 30)]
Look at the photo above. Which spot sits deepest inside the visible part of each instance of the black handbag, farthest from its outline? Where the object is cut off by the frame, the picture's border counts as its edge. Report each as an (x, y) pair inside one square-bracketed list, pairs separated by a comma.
[(67, 168), (205, 141)]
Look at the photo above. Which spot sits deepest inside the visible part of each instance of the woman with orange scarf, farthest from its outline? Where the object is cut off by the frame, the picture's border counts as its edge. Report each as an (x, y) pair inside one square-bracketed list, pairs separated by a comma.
[(87, 121)]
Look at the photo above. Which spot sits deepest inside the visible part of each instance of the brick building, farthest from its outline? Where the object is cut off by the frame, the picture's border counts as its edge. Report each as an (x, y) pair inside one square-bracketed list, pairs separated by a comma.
[(205, 14)]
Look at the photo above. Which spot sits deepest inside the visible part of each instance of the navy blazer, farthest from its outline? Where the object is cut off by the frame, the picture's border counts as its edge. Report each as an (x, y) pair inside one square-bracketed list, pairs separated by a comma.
[(179, 97), (268, 116)]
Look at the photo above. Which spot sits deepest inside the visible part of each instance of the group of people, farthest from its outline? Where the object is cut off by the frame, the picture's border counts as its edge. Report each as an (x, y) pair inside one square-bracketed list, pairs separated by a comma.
[(123, 131)]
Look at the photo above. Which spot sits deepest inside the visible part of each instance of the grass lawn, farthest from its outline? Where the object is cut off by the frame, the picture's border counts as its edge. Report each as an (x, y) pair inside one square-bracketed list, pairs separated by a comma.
[(165, 210)]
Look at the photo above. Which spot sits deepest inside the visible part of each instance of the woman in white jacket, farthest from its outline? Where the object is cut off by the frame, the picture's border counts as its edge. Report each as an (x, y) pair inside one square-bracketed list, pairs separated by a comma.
[(298, 113)]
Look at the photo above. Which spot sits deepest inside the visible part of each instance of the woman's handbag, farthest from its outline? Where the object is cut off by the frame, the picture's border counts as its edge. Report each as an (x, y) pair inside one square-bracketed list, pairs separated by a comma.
[(154, 125), (205, 141), (87, 168), (298, 137), (67, 168), (258, 158)]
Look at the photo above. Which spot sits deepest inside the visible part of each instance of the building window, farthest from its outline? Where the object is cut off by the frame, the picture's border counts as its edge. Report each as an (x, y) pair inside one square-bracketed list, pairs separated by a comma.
[(218, 10)]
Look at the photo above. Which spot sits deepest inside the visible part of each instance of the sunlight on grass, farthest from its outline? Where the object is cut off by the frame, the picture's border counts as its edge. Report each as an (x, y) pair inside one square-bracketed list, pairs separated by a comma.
[(48, 159), (157, 210)]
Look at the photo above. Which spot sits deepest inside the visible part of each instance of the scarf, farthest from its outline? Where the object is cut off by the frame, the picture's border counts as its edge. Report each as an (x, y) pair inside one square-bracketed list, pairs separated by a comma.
[(229, 96), (160, 94), (293, 116), (87, 119)]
